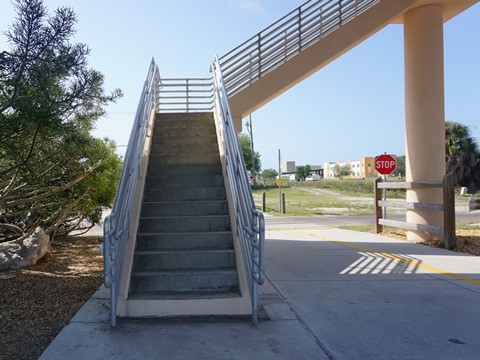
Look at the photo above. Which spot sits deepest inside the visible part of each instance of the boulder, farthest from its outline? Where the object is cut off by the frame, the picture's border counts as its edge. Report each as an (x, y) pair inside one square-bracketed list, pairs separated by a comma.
[(24, 252)]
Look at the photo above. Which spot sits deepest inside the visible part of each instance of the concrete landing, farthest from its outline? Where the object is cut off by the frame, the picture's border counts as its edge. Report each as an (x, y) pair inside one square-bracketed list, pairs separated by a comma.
[(330, 294)]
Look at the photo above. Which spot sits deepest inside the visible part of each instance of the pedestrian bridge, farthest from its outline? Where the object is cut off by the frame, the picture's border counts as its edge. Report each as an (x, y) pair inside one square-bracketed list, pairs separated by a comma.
[(184, 237)]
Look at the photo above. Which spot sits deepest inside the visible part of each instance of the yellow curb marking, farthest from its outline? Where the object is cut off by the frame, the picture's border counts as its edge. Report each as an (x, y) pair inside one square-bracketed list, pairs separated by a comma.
[(398, 258), (320, 227)]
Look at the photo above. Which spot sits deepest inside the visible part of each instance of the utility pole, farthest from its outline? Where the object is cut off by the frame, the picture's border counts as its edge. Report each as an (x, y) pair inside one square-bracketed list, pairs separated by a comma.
[(250, 130)]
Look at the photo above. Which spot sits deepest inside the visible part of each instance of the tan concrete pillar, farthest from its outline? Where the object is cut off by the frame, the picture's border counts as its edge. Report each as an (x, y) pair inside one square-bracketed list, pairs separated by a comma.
[(424, 110)]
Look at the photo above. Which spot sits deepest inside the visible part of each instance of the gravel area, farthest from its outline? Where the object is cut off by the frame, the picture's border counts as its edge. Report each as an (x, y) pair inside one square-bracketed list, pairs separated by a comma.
[(468, 241), (37, 303)]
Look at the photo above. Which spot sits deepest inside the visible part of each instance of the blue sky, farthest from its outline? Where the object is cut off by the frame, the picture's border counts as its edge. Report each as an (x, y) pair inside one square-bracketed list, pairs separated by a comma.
[(353, 107)]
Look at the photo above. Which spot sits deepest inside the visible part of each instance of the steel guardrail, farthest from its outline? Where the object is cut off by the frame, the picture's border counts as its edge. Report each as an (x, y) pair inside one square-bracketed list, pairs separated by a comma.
[(117, 224), (185, 95), (250, 223)]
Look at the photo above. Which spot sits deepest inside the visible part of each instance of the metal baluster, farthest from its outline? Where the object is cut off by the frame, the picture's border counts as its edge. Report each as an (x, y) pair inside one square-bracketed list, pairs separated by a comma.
[(259, 49), (299, 26), (187, 99), (340, 12)]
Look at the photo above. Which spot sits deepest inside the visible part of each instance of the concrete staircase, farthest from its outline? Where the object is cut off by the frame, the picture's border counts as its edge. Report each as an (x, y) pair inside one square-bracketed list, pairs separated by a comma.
[(184, 247)]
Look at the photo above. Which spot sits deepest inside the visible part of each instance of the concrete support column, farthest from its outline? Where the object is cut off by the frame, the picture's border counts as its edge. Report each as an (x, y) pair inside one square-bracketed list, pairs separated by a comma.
[(424, 110)]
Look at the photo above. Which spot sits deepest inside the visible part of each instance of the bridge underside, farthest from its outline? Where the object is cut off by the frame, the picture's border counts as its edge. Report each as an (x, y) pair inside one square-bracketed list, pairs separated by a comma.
[(424, 85), (328, 48)]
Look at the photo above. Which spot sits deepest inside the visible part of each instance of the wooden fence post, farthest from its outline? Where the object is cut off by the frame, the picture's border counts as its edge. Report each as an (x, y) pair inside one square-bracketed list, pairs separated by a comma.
[(377, 195), (449, 237), (264, 202), (283, 203)]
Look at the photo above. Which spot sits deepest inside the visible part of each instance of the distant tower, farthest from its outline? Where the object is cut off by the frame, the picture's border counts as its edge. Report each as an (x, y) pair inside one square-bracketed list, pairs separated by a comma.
[(288, 166)]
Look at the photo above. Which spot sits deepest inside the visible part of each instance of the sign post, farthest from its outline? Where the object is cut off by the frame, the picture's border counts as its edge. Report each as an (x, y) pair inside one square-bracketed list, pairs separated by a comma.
[(279, 182), (385, 164)]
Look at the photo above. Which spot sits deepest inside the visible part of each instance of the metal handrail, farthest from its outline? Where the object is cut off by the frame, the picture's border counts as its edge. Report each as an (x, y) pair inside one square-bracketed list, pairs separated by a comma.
[(185, 95), (250, 223), (285, 38), (117, 224)]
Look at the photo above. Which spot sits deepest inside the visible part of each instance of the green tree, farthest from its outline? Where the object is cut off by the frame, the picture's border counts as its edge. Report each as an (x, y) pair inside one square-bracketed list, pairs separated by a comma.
[(302, 172), (246, 146), (54, 174), (462, 155), (400, 170), (269, 173), (342, 171)]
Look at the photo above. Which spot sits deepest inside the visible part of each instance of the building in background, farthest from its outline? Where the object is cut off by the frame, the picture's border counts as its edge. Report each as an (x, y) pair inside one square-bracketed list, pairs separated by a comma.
[(359, 169), (289, 169)]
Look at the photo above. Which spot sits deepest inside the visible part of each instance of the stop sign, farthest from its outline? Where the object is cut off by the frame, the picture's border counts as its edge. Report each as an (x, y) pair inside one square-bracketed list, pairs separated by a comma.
[(385, 164)]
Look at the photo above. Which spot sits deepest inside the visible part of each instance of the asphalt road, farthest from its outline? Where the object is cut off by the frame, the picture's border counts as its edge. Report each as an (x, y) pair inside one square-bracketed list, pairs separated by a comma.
[(339, 220)]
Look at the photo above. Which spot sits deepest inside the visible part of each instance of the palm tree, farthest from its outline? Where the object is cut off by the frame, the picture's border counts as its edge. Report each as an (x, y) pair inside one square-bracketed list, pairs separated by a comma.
[(462, 155)]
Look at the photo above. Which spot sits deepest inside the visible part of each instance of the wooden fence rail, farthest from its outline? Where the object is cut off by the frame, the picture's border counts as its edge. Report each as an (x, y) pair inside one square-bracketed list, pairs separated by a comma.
[(448, 207)]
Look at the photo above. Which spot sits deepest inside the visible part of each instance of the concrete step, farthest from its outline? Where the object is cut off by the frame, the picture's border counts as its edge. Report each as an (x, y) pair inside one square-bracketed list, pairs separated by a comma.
[(185, 240), (184, 246), (184, 224), (176, 181), (184, 194), (190, 131), (160, 260), (186, 294), (184, 170), (184, 122), (184, 208), (205, 280), (196, 117), (185, 159), (184, 139), (184, 148)]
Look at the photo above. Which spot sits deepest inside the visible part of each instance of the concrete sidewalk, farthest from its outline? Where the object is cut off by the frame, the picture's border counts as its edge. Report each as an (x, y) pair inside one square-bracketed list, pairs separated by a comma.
[(330, 294)]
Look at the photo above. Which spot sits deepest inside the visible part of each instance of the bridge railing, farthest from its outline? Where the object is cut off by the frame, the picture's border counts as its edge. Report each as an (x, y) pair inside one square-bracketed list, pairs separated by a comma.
[(117, 224), (285, 38), (185, 95)]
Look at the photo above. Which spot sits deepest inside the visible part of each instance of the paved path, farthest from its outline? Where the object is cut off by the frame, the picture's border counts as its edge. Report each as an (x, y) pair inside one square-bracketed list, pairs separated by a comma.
[(330, 294)]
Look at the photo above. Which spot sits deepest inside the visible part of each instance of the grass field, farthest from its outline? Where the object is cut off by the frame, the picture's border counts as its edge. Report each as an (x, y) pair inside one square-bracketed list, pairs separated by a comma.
[(309, 201), (324, 197)]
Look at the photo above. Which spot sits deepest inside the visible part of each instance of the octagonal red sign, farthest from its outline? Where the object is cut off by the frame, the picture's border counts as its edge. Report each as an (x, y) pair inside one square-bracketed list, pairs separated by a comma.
[(385, 164)]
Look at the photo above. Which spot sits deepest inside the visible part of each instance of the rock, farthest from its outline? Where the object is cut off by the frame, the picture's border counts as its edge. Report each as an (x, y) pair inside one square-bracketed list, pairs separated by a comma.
[(24, 252)]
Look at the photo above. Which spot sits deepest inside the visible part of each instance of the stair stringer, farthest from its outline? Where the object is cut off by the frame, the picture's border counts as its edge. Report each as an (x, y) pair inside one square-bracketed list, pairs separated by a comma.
[(242, 274), (124, 285), (232, 306)]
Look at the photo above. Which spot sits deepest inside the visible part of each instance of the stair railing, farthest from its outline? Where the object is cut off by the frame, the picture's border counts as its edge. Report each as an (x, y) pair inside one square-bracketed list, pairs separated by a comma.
[(185, 95), (250, 223), (285, 38), (117, 225)]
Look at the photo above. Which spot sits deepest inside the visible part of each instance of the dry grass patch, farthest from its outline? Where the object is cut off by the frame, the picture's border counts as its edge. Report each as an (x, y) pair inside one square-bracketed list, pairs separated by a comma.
[(38, 302)]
